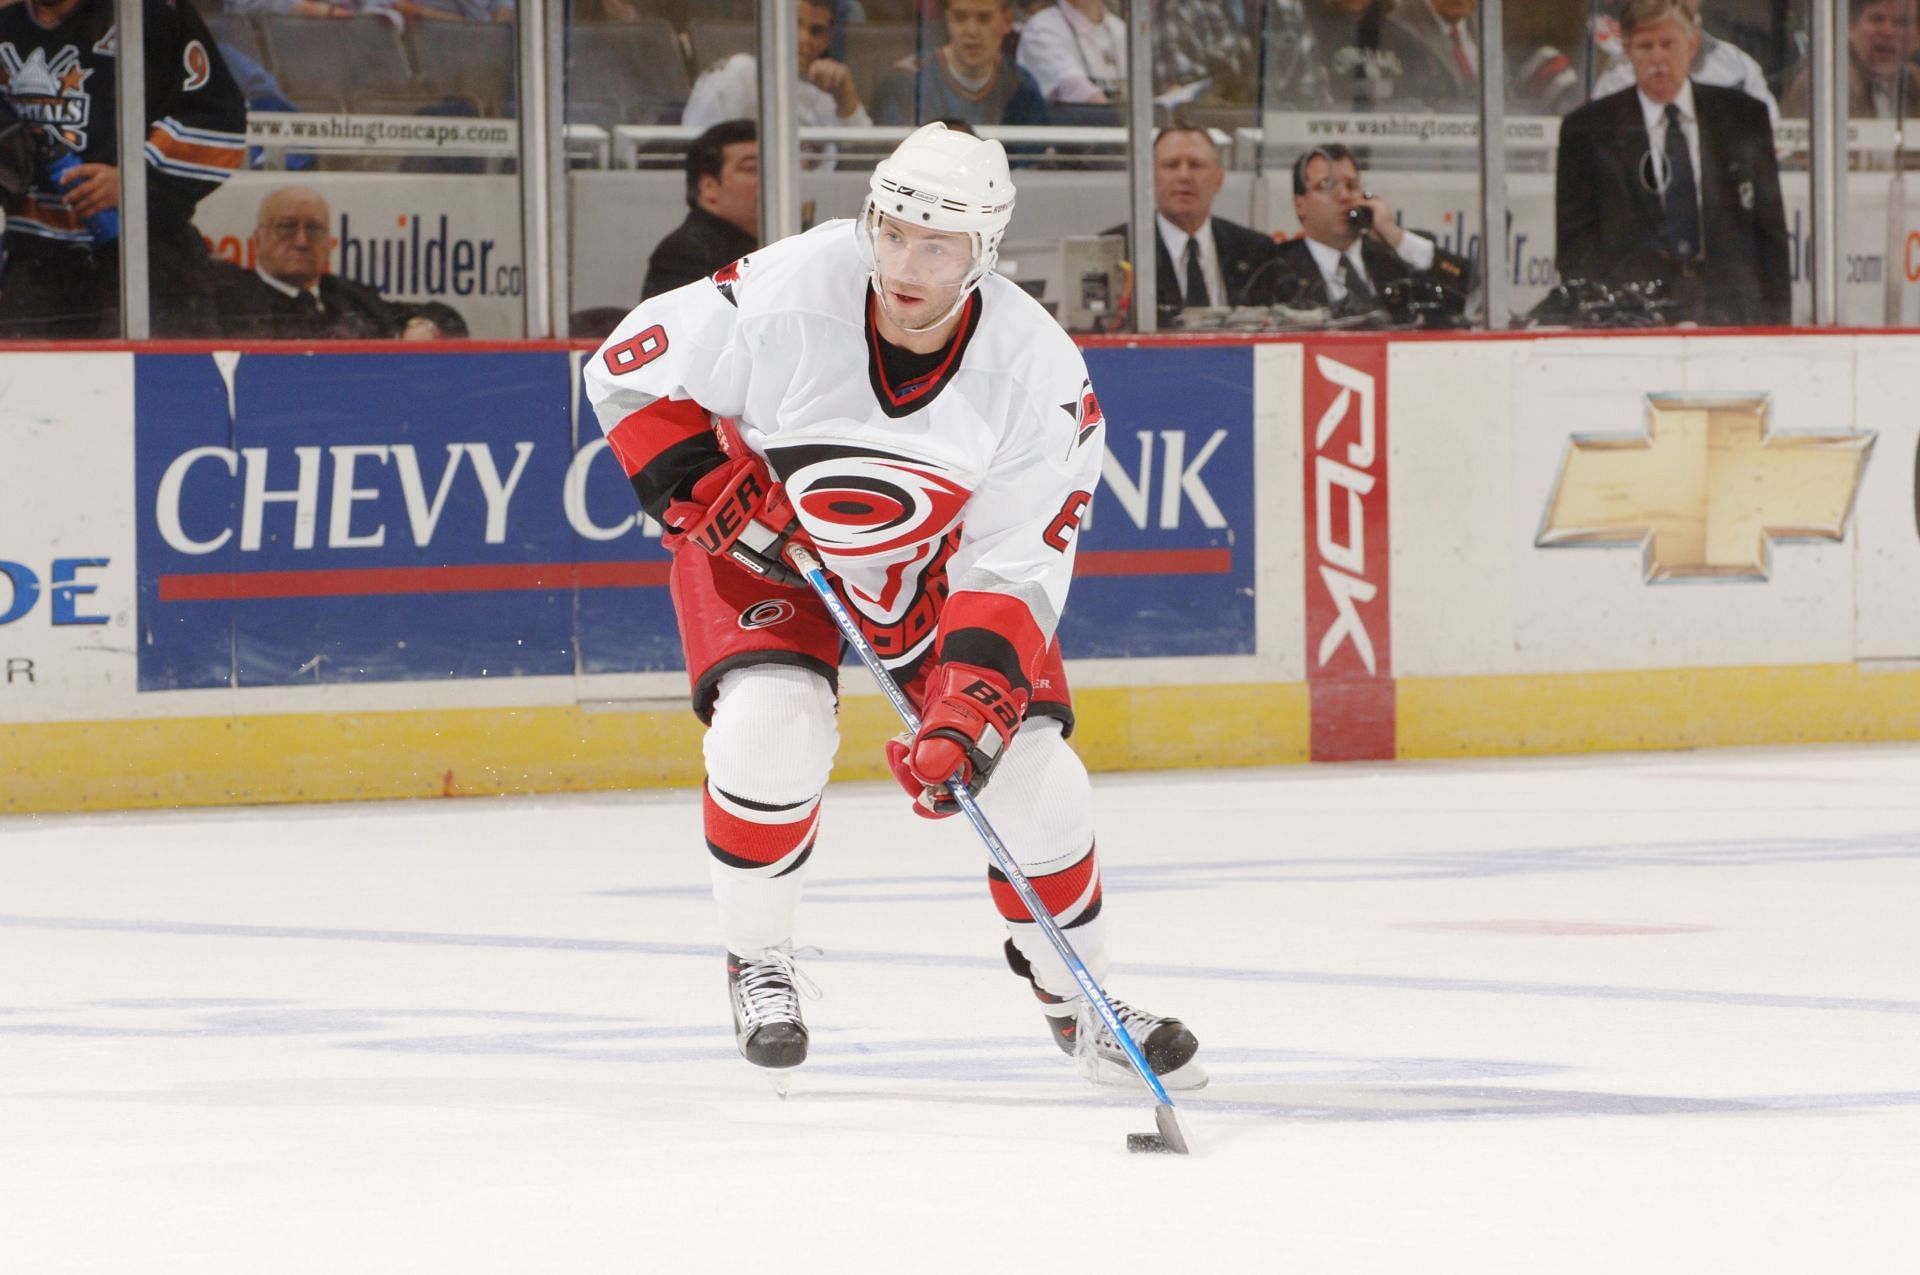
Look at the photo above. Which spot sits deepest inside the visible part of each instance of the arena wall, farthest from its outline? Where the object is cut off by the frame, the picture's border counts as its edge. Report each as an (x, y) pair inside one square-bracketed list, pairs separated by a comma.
[(376, 572)]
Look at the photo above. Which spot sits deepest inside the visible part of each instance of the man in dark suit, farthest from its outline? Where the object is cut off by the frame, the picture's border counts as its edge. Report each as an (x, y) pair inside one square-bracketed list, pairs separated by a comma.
[(1202, 260), (289, 294), (1675, 182), (723, 209), (1354, 257)]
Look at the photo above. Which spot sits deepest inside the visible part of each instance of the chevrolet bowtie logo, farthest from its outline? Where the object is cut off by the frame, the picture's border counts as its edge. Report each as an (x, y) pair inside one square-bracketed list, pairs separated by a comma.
[(1706, 489)]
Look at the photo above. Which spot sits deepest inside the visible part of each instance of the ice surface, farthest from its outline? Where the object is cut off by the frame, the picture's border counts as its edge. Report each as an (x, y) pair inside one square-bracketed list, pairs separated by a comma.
[(1656, 1013)]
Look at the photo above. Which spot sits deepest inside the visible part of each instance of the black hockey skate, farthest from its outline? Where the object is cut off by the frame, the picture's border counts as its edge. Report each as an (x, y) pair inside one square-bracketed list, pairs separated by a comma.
[(766, 1008), (1168, 1046)]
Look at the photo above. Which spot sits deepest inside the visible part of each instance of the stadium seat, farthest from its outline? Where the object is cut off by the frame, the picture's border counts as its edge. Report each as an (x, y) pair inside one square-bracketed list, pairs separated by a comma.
[(237, 30), (465, 59), (637, 65), (714, 40), (331, 55)]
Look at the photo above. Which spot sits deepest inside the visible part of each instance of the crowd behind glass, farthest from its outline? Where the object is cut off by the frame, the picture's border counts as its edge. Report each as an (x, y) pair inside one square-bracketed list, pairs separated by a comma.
[(1664, 130)]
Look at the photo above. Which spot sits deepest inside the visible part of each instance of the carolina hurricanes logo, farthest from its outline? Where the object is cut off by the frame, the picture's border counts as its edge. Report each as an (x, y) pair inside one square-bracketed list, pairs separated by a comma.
[(726, 276), (859, 503), (1086, 414), (764, 615), (1090, 413)]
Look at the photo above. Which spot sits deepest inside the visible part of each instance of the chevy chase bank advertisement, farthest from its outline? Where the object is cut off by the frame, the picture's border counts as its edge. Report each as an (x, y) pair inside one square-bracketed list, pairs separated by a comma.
[(394, 517)]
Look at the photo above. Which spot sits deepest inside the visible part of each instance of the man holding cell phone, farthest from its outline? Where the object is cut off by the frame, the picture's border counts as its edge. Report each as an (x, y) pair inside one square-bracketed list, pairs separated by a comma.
[(1354, 257)]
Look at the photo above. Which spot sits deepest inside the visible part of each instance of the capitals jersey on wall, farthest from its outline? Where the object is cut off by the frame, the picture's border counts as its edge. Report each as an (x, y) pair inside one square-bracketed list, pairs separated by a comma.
[(945, 505), (62, 81)]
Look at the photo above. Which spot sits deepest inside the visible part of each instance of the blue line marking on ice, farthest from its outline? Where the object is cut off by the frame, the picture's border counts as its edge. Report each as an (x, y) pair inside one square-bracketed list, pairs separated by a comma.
[(1395, 982)]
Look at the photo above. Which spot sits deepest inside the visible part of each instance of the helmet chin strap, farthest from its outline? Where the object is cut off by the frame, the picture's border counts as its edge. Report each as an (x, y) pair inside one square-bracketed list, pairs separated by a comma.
[(966, 291)]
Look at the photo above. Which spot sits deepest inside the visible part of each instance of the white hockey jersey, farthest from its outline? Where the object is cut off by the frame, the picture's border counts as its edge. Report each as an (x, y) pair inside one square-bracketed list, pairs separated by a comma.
[(945, 504)]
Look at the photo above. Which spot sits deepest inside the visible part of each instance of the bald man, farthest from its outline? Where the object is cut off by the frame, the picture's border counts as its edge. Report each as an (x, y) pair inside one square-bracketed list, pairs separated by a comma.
[(289, 294)]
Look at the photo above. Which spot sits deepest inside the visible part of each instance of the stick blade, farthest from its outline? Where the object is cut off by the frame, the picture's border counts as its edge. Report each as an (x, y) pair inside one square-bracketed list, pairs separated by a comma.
[(1170, 1131)]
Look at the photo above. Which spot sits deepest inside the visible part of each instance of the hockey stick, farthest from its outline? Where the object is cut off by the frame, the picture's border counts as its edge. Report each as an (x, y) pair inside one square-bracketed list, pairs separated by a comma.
[(1171, 1136)]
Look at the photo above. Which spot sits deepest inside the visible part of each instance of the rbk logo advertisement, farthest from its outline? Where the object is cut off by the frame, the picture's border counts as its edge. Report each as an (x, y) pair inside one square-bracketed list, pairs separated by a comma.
[(311, 519), (1349, 641)]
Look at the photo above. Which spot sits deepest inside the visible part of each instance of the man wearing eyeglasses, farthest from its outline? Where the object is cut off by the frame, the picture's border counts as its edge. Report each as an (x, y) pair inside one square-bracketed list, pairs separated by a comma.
[(826, 95), (289, 293), (1354, 256)]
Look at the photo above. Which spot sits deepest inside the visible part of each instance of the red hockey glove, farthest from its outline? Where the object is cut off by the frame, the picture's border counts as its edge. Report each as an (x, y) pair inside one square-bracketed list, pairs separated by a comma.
[(737, 511), (971, 714)]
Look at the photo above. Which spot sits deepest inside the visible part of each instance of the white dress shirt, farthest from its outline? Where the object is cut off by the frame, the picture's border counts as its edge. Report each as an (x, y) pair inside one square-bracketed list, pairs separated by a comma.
[(730, 90), (1176, 241), (1446, 30), (1416, 250), (1655, 114), (1720, 63), (1072, 59), (288, 290)]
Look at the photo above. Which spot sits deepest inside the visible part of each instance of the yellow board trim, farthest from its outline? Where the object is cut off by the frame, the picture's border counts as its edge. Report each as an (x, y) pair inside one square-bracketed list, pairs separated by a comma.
[(357, 756), (1657, 709), (302, 757)]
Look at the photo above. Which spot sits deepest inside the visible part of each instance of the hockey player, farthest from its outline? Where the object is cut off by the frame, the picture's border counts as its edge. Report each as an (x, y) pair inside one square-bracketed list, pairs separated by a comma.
[(872, 390), (63, 251)]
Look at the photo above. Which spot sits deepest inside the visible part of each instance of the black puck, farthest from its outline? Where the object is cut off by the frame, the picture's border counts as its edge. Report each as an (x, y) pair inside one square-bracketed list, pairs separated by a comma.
[(1146, 1143)]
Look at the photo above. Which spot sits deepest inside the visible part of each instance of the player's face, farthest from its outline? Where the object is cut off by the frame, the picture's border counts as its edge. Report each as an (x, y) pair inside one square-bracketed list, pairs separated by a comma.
[(975, 29), (1881, 36), (292, 243), (1186, 178), (921, 271), (734, 196), (1331, 190), (1661, 55)]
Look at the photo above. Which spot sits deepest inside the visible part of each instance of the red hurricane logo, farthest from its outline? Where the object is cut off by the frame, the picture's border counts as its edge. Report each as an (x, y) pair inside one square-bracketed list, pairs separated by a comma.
[(861, 504)]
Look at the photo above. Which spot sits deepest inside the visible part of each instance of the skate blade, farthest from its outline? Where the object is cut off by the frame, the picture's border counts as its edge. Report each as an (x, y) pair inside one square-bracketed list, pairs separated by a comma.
[(1105, 1071)]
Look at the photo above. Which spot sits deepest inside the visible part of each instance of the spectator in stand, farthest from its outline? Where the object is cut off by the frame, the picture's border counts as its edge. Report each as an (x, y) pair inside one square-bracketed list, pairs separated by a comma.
[(63, 236), (970, 77), (1719, 62), (1076, 52), (1200, 260), (1205, 51), (1353, 249), (1881, 82), (1437, 45), (1360, 60), (730, 88), (723, 209), (1674, 183), (289, 294), (1438, 41)]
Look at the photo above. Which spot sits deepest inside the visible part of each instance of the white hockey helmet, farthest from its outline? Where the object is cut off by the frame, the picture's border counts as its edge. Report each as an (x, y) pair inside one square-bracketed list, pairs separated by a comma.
[(950, 181)]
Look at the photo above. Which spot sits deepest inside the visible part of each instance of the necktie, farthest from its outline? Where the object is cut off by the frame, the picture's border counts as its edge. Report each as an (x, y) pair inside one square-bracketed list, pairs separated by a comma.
[(309, 304), (1358, 291), (1460, 58), (1683, 202), (1196, 282)]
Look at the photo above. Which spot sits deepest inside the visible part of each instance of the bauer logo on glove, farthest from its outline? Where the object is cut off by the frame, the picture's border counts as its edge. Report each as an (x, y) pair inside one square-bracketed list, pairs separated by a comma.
[(956, 740), (737, 511)]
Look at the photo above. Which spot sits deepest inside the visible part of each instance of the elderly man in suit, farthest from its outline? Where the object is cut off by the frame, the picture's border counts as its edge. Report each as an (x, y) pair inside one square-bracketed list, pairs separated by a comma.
[(1353, 248), (290, 293), (1201, 260), (1675, 182)]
